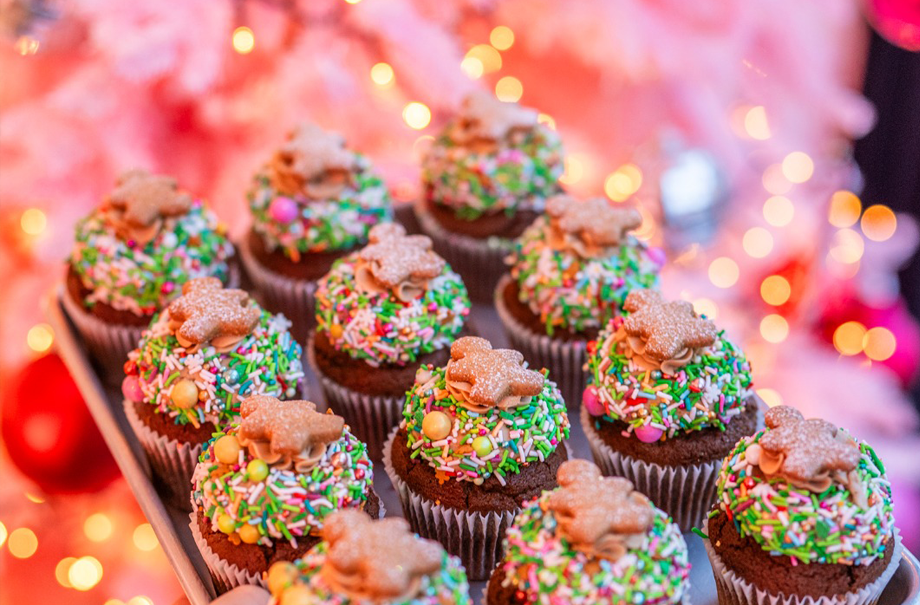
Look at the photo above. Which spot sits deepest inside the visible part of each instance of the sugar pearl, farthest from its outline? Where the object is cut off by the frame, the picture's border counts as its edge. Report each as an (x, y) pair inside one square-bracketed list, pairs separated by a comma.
[(482, 446), (184, 394), (249, 534), (436, 425), (592, 402), (648, 434), (279, 575), (257, 469), (283, 209), (131, 389), (227, 449)]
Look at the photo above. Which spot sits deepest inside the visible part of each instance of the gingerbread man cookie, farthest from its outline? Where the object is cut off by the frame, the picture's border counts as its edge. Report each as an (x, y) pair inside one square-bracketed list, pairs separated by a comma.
[(589, 227), (484, 119), (394, 261), (665, 330), (141, 201), (209, 313), (313, 162), (483, 377)]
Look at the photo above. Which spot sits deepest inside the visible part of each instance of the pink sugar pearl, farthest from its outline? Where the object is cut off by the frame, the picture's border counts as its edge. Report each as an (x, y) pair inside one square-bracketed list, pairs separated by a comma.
[(592, 402), (648, 434), (283, 209), (131, 389)]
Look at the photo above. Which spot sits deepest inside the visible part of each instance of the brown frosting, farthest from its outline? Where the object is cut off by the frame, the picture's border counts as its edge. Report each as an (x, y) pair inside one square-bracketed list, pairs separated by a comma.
[(809, 454), (589, 228), (480, 377), (600, 516), (484, 121), (396, 262), (287, 434), (313, 163), (140, 202), (209, 313), (663, 335), (376, 561)]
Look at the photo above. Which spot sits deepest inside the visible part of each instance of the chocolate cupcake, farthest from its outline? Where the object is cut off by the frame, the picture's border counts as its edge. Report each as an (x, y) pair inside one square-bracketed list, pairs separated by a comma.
[(668, 399), (313, 203), (485, 179), (210, 348), (570, 274), (361, 561), (803, 515), (591, 540), (130, 257), (263, 488), (381, 314), (479, 437)]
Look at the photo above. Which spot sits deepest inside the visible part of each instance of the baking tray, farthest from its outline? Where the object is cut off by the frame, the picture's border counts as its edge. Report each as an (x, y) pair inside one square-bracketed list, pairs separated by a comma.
[(171, 525)]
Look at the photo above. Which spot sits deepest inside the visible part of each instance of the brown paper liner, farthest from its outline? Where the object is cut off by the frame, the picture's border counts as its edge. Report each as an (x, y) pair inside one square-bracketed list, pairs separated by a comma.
[(687, 493), (735, 590), (474, 537), (280, 294), (480, 262), (370, 417), (172, 462), (565, 359)]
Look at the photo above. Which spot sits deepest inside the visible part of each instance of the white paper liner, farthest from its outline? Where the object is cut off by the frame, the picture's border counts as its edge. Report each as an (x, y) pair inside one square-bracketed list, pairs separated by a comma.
[(564, 359), (281, 294), (109, 344), (687, 493), (173, 462), (480, 262), (474, 537), (225, 575), (370, 417), (735, 590)]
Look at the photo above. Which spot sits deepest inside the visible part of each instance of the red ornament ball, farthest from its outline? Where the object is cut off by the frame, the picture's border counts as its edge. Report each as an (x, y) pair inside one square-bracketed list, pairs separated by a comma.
[(49, 434)]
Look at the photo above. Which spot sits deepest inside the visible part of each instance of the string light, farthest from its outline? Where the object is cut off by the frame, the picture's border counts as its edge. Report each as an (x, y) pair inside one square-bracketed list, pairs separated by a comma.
[(416, 115), (770, 397), (33, 221), (85, 573), (775, 290), (472, 67), (845, 209), (623, 182), (352, 1), (798, 167), (40, 338), (755, 123), (778, 211), (509, 89), (757, 242), (775, 181), (98, 527), (144, 537), (878, 223), (243, 40), (723, 272), (502, 37), (61, 571), (847, 246), (490, 58), (3, 533), (707, 307), (22, 543), (848, 338), (26, 45), (774, 328), (382, 74), (573, 170), (879, 344)]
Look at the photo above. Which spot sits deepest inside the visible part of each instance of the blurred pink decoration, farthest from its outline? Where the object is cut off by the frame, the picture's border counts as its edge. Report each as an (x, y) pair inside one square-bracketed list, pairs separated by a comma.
[(897, 20)]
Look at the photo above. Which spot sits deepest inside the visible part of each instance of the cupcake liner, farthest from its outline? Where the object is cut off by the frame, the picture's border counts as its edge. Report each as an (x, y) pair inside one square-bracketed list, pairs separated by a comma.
[(225, 575), (108, 344), (173, 462), (480, 262), (474, 537), (370, 417), (684, 492), (735, 590), (282, 294), (565, 359)]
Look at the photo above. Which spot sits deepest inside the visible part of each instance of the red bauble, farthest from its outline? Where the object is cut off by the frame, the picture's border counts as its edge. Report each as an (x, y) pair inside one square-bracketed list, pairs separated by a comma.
[(49, 434), (896, 20)]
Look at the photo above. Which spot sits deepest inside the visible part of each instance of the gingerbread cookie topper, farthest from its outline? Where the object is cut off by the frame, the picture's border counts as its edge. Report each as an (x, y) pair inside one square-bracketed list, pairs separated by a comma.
[(209, 313), (810, 454), (483, 377), (589, 227), (484, 119), (665, 330), (288, 427), (394, 261), (601, 516), (141, 201), (313, 162), (376, 561)]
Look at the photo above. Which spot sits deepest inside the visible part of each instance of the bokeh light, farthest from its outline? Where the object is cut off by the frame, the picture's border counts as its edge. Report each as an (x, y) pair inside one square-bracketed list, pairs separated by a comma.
[(243, 40), (878, 223), (755, 123), (382, 74), (778, 211), (502, 37), (61, 571), (845, 209), (757, 242), (623, 182), (472, 67), (85, 573), (40, 338), (33, 221), (775, 290), (798, 167), (144, 537), (114, 602), (774, 328), (707, 307), (22, 543), (488, 57), (416, 115), (879, 344), (848, 338), (3, 534), (27, 45), (847, 246), (770, 396), (646, 229), (774, 181), (573, 170), (98, 527), (723, 272), (509, 89), (140, 600), (545, 118)]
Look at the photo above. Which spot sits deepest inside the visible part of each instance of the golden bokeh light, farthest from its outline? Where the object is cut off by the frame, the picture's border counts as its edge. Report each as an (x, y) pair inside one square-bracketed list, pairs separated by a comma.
[(144, 537), (22, 543), (770, 396), (848, 338), (34, 498), (114, 602), (27, 45), (85, 573), (755, 123), (488, 57), (878, 223), (472, 67), (61, 570), (778, 211), (757, 242), (243, 40), (774, 328), (623, 182), (33, 221), (879, 344), (545, 118), (845, 209), (707, 307), (646, 229), (382, 74), (140, 600), (774, 181), (573, 170), (3, 534), (40, 338), (98, 527), (798, 167), (775, 290), (723, 272), (509, 89), (416, 115), (352, 1), (847, 246), (502, 37)]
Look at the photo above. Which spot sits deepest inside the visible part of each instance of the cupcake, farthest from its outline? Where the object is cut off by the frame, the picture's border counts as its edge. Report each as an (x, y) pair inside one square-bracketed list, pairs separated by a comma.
[(313, 203), (591, 540), (210, 348), (263, 488), (669, 397), (803, 515), (485, 178), (382, 313), (570, 274), (361, 561), (479, 437), (131, 254)]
